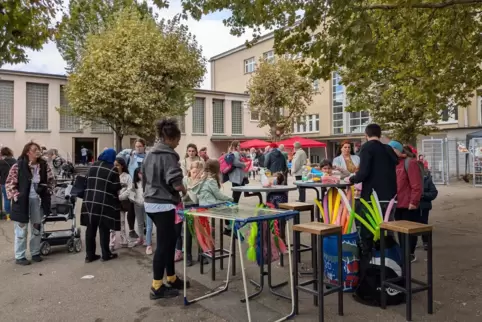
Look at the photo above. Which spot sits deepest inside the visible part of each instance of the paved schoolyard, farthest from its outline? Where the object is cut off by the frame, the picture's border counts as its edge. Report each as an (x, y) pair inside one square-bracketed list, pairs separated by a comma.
[(55, 291)]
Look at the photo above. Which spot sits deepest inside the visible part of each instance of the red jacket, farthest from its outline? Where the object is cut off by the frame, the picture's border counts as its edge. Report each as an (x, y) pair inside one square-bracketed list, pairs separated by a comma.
[(409, 185)]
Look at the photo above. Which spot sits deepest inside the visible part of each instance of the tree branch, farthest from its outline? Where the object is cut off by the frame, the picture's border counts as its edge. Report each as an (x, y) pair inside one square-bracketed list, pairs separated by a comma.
[(423, 5)]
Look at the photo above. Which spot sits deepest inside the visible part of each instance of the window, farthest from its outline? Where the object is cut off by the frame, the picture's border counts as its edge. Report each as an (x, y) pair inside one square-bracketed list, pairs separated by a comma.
[(6, 104), (218, 116), (254, 116), (355, 121), (37, 106), (338, 104), (307, 124), (68, 122), (249, 65), (100, 127), (198, 116), (449, 115), (358, 121), (182, 123), (316, 85), (236, 117), (269, 56), (293, 56)]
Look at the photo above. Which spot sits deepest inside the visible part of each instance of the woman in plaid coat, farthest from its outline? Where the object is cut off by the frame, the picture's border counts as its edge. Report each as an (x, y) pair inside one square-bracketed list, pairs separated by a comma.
[(101, 205)]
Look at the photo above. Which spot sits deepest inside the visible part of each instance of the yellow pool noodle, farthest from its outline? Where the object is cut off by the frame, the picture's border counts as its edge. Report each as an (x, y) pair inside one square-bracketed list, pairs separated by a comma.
[(337, 207), (320, 206)]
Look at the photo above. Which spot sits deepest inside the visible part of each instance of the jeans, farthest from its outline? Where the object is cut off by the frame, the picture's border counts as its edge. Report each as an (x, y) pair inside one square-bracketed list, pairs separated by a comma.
[(123, 235), (302, 192), (149, 226), (139, 217), (21, 231), (166, 244), (90, 234), (6, 201)]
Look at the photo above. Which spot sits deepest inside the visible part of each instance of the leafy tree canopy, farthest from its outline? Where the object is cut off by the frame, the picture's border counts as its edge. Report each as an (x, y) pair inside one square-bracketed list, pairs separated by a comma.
[(89, 17), (421, 56), (135, 71), (279, 95), (26, 24)]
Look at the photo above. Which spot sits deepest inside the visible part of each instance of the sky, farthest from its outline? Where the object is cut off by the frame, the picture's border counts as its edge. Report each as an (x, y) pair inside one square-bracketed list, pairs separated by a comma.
[(210, 32)]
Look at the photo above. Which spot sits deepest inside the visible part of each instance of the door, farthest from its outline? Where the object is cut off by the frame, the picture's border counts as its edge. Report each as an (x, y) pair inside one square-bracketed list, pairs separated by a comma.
[(90, 144), (476, 156), (433, 151)]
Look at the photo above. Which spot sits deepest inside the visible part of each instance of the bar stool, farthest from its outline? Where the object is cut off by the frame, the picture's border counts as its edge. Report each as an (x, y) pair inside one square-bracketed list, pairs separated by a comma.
[(301, 206), (407, 229), (319, 230), (218, 253)]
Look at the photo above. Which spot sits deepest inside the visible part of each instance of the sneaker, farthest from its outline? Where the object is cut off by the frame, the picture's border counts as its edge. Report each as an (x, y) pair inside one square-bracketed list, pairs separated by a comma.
[(133, 234), (149, 250), (425, 246), (92, 259), (178, 284), (37, 258), (22, 262), (164, 292), (413, 259), (178, 257)]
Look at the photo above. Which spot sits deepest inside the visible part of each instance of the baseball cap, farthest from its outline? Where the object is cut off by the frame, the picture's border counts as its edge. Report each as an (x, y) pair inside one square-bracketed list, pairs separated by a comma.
[(396, 145)]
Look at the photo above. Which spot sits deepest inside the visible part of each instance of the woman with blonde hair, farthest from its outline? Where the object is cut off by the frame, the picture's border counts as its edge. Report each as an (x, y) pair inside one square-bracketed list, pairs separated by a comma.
[(190, 157)]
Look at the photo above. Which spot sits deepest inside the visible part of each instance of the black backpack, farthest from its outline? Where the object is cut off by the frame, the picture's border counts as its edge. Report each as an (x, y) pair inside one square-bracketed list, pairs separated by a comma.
[(368, 291)]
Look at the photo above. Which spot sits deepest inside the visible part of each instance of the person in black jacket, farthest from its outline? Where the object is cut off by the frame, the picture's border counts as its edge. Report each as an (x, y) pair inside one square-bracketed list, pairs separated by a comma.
[(29, 185), (377, 166), (430, 192), (6, 162), (275, 161)]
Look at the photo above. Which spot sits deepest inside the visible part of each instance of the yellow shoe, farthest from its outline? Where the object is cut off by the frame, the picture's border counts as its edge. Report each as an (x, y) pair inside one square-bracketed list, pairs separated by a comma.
[(8, 217)]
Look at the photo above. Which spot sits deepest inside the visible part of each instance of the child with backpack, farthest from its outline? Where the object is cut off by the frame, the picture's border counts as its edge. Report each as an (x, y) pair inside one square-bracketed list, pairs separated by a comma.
[(430, 192)]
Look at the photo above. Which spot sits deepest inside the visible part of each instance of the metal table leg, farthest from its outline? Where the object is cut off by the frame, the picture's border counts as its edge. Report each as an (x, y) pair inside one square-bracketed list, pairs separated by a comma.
[(262, 273)]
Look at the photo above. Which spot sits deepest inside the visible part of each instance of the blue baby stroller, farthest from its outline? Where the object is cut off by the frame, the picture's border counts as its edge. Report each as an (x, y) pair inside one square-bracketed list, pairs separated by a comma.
[(62, 210)]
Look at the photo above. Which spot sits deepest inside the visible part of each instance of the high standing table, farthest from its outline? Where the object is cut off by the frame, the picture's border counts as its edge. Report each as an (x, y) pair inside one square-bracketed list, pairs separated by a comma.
[(258, 190), (243, 216), (323, 188)]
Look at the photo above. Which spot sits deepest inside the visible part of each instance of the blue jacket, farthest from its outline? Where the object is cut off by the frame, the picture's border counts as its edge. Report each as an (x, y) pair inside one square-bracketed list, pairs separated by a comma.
[(430, 192)]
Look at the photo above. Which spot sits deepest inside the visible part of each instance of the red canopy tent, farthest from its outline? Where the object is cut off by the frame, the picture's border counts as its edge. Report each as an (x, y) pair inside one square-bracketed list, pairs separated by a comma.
[(257, 144), (305, 143)]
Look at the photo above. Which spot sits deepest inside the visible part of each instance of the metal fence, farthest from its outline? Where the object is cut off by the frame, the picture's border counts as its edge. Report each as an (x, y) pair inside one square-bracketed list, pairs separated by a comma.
[(448, 164)]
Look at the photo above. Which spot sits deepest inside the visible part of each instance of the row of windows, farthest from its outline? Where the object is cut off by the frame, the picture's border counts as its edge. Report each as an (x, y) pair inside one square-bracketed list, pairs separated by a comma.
[(37, 109), (218, 117)]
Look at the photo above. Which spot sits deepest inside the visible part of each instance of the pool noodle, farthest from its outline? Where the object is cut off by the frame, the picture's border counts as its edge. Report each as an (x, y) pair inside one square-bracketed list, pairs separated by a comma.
[(325, 206), (330, 204), (379, 206), (364, 223), (375, 207), (370, 210), (336, 209), (323, 216)]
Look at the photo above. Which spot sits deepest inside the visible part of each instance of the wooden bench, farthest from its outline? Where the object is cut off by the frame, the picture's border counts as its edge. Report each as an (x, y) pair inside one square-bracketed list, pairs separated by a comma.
[(319, 231), (406, 229)]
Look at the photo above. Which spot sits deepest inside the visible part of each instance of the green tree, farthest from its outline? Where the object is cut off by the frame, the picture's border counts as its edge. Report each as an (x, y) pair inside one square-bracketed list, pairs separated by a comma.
[(24, 25), (279, 95), (135, 71), (89, 17), (426, 52)]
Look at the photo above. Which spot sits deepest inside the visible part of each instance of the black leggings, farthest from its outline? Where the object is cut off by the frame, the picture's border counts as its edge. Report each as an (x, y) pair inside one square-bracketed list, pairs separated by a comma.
[(131, 217), (166, 243), (237, 194)]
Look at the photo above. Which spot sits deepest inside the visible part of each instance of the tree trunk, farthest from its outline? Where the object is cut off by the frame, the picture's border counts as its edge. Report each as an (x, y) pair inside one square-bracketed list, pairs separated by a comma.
[(118, 141)]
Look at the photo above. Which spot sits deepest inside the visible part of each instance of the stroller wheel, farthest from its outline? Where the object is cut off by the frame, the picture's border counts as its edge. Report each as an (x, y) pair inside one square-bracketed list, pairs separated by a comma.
[(78, 245), (70, 246), (45, 248)]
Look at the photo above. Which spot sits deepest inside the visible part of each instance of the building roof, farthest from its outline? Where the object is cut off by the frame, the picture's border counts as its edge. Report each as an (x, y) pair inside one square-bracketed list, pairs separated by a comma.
[(266, 37), (64, 77)]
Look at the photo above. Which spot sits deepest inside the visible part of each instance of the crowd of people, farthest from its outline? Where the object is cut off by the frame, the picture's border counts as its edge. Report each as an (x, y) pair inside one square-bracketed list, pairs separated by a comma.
[(148, 187)]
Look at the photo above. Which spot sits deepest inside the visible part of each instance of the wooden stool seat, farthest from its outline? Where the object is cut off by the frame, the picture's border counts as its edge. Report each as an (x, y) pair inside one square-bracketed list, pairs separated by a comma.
[(318, 228), (297, 206), (406, 227)]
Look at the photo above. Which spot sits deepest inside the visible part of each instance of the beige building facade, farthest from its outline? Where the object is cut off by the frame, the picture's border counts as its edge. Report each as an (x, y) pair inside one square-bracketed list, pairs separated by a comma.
[(326, 118), (29, 105)]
